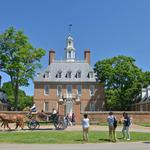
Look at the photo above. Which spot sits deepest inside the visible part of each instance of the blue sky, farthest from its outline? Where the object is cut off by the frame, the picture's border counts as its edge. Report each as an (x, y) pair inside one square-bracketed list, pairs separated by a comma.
[(108, 27)]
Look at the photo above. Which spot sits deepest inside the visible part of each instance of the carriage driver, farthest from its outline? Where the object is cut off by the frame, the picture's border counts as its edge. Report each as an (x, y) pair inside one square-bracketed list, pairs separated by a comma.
[(54, 113)]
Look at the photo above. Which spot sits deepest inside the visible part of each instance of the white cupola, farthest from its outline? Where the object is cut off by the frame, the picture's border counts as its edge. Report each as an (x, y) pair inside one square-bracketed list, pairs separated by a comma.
[(69, 50)]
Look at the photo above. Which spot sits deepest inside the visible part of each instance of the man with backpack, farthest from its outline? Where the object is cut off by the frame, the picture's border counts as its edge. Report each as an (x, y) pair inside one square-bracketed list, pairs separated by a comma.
[(126, 125), (112, 124)]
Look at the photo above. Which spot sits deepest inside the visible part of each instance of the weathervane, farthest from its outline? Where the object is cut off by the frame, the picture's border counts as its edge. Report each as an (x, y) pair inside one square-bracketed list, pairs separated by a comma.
[(70, 25)]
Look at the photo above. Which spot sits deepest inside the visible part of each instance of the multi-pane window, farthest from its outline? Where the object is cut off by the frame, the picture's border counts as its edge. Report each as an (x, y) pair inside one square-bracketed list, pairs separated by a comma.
[(92, 88), (47, 74), (59, 90), (46, 90), (69, 54), (69, 89), (69, 74), (79, 74), (79, 90), (92, 106), (91, 74), (59, 74), (46, 107)]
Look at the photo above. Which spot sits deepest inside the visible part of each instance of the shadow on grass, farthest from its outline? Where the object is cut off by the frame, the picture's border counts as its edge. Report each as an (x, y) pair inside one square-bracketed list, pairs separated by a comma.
[(146, 142), (104, 140), (40, 129), (79, 140), (99, 140)]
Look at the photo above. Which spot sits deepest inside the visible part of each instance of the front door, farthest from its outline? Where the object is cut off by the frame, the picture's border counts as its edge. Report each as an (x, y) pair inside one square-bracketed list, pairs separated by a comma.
[(69, 106)]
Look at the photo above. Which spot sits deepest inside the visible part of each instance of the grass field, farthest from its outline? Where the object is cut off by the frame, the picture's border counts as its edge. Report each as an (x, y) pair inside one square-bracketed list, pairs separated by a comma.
[(59, 137), (144, 124)]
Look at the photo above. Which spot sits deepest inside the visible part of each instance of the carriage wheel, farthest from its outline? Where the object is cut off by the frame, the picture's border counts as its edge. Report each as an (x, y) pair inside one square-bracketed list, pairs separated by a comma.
[(61, 125), (33, 125)]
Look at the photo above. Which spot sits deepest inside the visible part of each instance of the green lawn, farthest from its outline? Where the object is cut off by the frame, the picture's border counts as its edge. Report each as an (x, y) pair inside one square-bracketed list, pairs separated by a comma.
[(63, 137), (144, 124)]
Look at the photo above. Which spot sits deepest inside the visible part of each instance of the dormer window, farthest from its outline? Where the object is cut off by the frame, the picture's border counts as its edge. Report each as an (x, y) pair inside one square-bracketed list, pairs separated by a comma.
[(78, 75), (47, 74), (59, 74), (90, 75), (68, 75)]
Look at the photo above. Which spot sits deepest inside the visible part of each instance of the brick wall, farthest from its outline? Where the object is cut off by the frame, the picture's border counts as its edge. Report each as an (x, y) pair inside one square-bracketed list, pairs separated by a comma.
[(101, 117)]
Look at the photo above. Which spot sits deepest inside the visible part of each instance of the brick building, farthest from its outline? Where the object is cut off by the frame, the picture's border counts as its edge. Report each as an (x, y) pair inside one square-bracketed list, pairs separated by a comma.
[(3, 101), (69, 85), (142, 103)]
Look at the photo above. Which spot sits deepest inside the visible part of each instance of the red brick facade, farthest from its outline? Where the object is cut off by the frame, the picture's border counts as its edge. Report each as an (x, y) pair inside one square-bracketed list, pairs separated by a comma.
[(98, 100)]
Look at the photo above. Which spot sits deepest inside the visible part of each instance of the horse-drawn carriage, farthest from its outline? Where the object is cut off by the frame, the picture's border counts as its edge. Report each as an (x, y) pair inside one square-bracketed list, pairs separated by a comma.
[(35, 119)]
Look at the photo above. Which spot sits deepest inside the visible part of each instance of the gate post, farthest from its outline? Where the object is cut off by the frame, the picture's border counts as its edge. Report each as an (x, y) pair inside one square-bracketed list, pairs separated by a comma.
[(77, 112)]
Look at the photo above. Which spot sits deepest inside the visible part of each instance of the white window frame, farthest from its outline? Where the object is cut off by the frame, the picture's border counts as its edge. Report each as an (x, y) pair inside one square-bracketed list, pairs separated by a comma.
[(92, 106), (47, 74), (46, 106), (45, 90), (92, 88), (79, 74), (69, 54), (58, 90), (78, 90), (141, 107), (59, 74), (67, 89), (69, 74), (91, 74)]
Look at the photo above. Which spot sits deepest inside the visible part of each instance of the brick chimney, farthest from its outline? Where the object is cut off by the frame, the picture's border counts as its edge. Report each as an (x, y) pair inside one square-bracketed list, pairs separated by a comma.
[(51, 56), (87, 56)]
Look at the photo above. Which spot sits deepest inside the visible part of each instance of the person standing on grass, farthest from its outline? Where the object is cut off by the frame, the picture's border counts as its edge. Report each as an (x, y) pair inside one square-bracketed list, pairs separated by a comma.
[(126, 126), (112, 124), (85, 126)]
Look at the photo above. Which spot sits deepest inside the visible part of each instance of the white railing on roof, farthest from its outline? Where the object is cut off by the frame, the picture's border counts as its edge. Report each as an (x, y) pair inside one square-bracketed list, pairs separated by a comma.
[(66, 61)]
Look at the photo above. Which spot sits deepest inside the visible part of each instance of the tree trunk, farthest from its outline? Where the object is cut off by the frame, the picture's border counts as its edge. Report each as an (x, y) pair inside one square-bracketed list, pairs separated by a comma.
[(16, 96), (15, 91)]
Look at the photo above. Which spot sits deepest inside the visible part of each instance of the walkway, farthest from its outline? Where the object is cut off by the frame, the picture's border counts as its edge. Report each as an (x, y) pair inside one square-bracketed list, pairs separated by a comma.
[(133, 128), (102, 146)]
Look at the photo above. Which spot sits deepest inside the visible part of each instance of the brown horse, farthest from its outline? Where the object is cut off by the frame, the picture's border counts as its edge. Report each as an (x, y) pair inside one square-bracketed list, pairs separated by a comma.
[(12, 118)]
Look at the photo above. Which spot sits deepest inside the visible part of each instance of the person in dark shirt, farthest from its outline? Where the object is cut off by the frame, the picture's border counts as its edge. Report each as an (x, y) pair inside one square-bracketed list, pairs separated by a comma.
[(126, 126)]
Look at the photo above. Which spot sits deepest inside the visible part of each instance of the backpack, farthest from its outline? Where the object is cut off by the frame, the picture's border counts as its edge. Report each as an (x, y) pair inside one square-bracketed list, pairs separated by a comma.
[(115, 122)]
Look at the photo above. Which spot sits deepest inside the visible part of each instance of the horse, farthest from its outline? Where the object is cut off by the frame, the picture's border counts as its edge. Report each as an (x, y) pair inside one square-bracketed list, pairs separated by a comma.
[(12, 118)]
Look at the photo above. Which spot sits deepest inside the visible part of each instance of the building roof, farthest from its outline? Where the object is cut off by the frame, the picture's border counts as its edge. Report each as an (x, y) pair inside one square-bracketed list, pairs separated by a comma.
[(50, 73)]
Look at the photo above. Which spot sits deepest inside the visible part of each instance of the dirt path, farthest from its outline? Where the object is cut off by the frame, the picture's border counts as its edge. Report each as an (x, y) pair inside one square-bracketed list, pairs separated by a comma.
[(135, 128)]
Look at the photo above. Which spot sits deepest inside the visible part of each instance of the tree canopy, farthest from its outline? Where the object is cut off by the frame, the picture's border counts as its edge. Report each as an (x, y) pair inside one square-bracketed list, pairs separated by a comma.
[(24, 100), (19, 59), (122, 81)]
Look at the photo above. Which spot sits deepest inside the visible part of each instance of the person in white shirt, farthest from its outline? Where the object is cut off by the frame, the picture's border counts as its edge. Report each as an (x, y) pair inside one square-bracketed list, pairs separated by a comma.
[(85, 126), (54, 111)]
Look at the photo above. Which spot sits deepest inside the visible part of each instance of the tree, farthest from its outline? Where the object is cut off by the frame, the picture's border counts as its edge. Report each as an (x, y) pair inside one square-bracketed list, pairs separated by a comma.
[(24, 100), (19, 59), (146, 78), (122, 80)]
